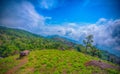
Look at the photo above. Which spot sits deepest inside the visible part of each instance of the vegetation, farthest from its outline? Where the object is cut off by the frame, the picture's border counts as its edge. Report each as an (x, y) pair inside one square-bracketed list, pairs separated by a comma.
[(90, 49), (88, 42), (46, 56), (12, 41), (8, 63), (55, 62)]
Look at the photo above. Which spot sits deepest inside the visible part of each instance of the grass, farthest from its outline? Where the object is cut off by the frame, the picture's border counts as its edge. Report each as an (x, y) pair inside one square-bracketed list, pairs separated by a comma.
[(8, 63), (57, 62)]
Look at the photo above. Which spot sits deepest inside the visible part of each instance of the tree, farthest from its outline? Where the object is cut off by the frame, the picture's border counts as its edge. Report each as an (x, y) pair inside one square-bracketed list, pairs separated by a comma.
[(99, 54), (88, 42), (94, 51)]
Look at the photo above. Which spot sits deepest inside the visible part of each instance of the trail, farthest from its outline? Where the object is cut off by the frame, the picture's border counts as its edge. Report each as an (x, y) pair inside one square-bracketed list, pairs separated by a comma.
[(101, 65), (14, 69)]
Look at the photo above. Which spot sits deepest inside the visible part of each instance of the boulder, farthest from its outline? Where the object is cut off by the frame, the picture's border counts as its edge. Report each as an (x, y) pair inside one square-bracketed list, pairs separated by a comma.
[(24, 53)]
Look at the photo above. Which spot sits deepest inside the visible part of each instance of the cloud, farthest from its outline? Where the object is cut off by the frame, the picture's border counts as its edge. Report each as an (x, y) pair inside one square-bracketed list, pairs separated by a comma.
[(101, 21), (115, 27), (48, 4), (24, 16), (106, 33)]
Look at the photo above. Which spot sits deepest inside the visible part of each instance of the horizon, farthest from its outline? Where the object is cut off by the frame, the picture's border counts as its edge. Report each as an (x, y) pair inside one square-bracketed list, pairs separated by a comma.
[(74, 19)]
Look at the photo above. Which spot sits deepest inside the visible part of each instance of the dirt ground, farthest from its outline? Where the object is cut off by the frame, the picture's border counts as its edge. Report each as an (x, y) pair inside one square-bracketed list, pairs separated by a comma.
[(101, 65), (14, 69)]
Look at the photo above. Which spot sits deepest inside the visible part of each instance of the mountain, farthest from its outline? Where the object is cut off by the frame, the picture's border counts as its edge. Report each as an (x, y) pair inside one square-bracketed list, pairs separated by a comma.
[(64, 40), (12, 41), (56, 62)]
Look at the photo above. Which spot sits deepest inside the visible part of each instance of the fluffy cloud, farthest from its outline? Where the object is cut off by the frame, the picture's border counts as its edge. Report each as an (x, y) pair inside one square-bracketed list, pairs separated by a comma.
[(106, 32), (48, 4), (23, 15)]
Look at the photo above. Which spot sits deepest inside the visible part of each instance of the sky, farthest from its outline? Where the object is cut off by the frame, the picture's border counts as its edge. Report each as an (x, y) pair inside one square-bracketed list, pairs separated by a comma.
[(74, 19)]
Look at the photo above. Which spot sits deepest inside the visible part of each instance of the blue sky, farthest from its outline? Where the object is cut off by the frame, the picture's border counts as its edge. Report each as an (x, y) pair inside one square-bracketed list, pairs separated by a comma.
[(79, 10), (74, 19)]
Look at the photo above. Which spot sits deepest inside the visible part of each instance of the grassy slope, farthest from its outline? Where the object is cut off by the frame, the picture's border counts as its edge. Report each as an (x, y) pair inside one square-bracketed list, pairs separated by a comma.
[(8, 63), (53, 62), (15, 40)]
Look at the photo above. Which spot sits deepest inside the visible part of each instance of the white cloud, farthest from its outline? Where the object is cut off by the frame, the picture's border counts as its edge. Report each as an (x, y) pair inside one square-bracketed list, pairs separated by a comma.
[(106, 32), (101, 21), (48, 4), (23, 15), (102, 32)]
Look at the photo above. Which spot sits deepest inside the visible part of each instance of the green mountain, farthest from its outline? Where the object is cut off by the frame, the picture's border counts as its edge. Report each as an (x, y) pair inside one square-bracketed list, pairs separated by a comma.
[(14, 40), (50, 55)]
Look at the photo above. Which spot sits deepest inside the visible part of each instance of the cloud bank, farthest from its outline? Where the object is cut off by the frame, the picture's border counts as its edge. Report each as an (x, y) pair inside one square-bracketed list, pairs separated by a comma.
[(105, 32), (24, 16)]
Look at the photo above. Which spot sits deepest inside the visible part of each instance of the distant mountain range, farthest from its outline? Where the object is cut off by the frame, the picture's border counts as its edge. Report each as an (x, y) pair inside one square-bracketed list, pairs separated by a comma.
[(12, 41)]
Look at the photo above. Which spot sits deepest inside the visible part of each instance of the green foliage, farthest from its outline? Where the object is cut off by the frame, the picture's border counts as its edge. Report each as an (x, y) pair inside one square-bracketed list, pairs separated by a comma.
[(112, 71), (92, 49), (7, 63), (88, 42), (55, 62), (12, 40)]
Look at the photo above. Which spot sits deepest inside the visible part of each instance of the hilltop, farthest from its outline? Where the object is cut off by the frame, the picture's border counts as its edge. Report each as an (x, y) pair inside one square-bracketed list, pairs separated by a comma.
[(12, 41), (52, 62), (52, 54)]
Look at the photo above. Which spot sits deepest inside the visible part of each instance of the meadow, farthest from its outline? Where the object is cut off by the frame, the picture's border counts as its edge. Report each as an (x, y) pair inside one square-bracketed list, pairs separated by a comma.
[(52, 61)]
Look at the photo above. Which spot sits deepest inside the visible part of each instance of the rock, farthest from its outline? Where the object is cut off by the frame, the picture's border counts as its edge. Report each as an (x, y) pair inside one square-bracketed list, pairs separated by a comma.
[(1, 57), (24, 53)]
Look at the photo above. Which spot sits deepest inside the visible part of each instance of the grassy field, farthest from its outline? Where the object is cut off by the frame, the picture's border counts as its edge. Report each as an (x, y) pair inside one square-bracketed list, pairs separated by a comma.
[(52, 62), (8, 63)]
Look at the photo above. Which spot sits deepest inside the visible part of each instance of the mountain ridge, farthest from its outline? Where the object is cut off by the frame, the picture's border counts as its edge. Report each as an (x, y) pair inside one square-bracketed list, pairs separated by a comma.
[(12, 41)]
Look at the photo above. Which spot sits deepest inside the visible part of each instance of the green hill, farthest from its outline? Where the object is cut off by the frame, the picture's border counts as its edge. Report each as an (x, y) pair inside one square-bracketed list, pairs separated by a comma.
[(14, 40), (52, 62), (49, 55)]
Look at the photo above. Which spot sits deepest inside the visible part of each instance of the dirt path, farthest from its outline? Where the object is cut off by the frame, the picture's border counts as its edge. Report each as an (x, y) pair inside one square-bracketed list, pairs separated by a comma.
[(14, 69), (101, 64)]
